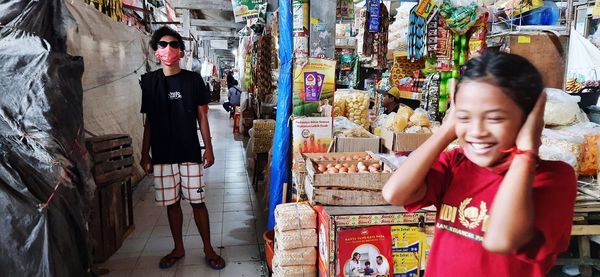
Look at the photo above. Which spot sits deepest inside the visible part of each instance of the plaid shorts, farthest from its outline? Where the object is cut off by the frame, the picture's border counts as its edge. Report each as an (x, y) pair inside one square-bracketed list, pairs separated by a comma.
[(175, 181)]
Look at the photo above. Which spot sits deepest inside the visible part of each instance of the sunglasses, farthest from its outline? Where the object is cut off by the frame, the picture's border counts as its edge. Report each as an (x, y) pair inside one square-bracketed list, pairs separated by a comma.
[(173, 44)]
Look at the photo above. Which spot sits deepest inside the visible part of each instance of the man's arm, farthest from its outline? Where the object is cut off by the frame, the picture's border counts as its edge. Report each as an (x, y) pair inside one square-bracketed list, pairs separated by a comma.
[(146, 161), (209, 158)]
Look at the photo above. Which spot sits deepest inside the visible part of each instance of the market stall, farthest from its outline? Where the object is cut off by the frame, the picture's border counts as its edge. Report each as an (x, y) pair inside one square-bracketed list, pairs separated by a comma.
[(348, 138)]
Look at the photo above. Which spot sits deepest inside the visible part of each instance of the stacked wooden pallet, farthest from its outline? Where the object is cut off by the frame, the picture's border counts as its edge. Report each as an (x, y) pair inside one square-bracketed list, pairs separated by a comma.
[(112, 207), (346, 188)]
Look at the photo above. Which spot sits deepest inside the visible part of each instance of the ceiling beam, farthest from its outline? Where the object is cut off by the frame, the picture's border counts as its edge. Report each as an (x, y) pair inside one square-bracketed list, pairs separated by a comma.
[(212, 38), (202, 5), (215, 23), (215, 34)]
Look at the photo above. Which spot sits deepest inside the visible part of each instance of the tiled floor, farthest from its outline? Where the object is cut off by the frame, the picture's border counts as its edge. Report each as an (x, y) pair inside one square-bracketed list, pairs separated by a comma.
[(236, 227)]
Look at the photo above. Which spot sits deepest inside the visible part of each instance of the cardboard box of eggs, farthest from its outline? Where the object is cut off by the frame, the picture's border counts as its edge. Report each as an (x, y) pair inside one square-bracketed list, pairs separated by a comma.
[(357, 170)]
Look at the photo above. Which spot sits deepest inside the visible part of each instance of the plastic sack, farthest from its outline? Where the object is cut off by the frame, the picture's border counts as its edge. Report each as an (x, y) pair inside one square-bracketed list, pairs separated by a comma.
[(595, 38), (357, 102), (343, 127), (398, 31), (45, 179), (561, 108), (589, 154), (550, 153), (419, 118), (394, 160), (584, 58)]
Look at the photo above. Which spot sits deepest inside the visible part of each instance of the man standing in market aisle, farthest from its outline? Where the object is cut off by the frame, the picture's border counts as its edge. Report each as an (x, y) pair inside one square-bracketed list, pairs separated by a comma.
[(175, 101)]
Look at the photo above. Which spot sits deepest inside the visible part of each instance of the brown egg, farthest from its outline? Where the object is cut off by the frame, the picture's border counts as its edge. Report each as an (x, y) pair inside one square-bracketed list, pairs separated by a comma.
[(373, 169), (352, 170), (343, 170), (356, 157), (332, 170), (376, 165), (345, 165), (322, 168), (338, 166), (329, 165)]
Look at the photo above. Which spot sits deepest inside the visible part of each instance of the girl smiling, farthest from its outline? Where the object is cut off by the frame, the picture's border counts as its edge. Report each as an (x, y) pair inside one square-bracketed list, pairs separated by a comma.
[(501, 210)]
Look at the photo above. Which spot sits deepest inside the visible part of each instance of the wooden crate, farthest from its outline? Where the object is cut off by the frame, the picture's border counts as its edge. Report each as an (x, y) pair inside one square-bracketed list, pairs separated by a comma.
[(112, 156), (361, 181), (342, 197), (111, 217)]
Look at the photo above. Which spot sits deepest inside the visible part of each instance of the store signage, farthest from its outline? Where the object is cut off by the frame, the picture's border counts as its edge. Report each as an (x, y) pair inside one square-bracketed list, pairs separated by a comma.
[(374, 15), (246, 9), (312, 134), (313, 84)]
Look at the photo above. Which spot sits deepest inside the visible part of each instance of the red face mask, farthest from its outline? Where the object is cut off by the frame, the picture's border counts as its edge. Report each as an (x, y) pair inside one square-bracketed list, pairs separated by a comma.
[(168, 56)]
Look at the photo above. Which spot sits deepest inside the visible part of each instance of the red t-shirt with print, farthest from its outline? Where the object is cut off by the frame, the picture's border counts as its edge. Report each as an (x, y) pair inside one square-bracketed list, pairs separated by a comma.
[(463, 194)]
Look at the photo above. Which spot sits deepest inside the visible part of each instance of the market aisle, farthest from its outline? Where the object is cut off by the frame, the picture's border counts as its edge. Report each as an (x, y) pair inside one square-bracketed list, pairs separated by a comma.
[(232, 205)]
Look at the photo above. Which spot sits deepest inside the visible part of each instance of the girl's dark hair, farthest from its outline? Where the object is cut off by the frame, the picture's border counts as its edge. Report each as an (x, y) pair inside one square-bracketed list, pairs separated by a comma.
[(517, 77), (165, 31)]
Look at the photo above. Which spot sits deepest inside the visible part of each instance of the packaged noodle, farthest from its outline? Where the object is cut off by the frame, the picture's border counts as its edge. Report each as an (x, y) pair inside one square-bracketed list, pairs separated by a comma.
[(295, 271), (293, 216)]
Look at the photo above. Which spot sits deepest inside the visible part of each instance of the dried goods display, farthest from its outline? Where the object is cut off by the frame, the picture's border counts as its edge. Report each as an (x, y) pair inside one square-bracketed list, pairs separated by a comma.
[(293, 216), (408, 121), (358, 109), (295, 257), (263, 67), (588, 166), (293, 239)]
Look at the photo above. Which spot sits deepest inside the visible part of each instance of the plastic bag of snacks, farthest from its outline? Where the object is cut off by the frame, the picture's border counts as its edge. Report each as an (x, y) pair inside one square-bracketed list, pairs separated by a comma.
[(564, 143), (293, 216), (357, 106), (343, 127), (396, 122), (589, 155), (339, 106), (296, 239), (299, 256), (556, 154), (419, 118), (295, 271), (561, 108)]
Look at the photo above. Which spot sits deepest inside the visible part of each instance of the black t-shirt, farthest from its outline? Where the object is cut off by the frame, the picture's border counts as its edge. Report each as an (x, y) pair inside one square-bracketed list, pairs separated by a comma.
[(171, 104)]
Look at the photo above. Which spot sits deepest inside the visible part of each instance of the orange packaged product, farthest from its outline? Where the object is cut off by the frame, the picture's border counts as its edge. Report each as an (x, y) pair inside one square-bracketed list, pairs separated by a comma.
[(588, 165)]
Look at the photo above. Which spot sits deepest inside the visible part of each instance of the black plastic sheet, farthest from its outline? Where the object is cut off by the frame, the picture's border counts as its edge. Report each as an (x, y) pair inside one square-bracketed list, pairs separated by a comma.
[(45, 181)]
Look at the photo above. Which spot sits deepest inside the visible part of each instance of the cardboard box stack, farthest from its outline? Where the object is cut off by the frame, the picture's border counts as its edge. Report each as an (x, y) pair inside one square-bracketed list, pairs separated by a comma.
[(295, 241)]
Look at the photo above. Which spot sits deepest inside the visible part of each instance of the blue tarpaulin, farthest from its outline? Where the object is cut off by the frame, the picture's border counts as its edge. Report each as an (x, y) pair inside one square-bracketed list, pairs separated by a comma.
[(280, 169)]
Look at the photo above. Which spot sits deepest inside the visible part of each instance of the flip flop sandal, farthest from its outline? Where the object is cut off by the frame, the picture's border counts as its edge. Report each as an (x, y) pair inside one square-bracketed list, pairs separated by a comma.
[(214, 262), (168, 261)]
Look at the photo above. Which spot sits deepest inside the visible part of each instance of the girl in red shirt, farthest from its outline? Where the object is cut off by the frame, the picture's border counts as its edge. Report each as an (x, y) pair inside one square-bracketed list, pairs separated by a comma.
[(501, 211)]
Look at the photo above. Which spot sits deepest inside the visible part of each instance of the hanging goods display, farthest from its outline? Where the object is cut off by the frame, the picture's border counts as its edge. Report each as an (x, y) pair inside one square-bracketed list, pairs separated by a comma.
[(459, 19), (432, 35), (431, 97), (374, 16), (416, 35)]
